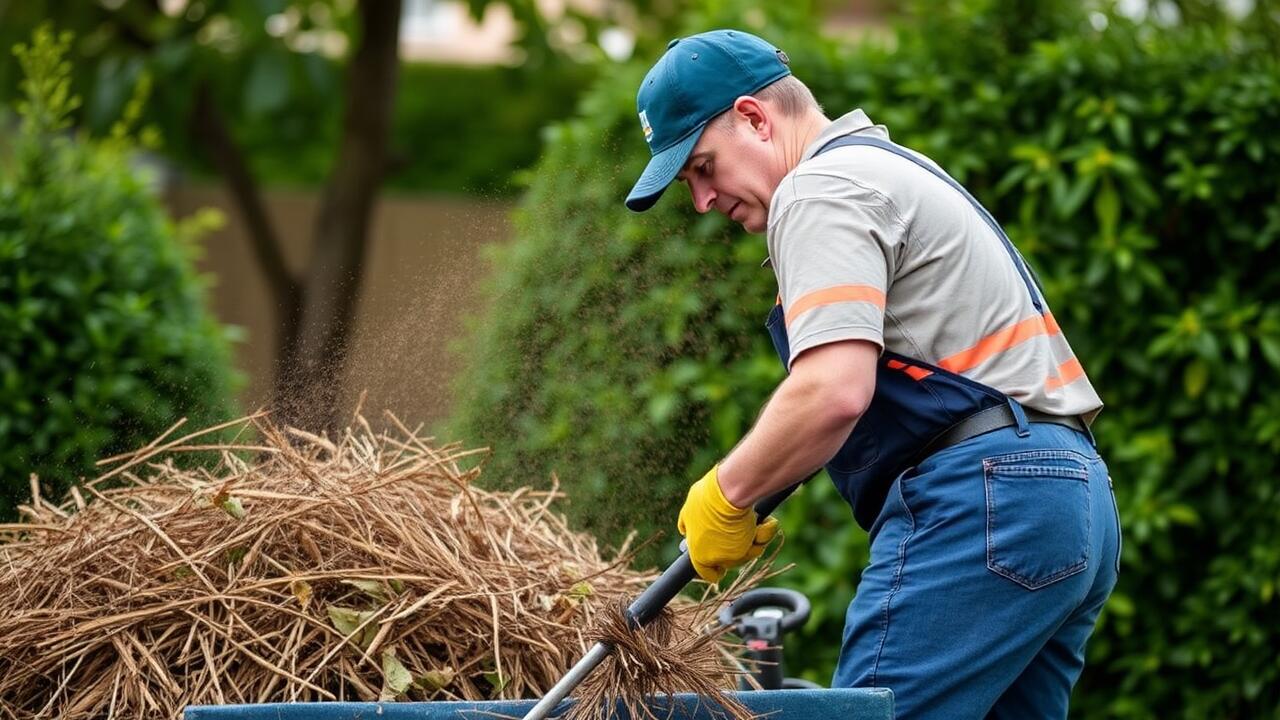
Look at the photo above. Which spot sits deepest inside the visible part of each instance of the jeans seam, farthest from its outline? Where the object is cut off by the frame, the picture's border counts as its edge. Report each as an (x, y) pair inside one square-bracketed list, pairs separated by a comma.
[(1045, 454), (897, 583), (1027, 471)]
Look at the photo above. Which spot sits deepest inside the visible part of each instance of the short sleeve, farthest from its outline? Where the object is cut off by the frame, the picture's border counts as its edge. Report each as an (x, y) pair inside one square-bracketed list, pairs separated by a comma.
[(834, 261)]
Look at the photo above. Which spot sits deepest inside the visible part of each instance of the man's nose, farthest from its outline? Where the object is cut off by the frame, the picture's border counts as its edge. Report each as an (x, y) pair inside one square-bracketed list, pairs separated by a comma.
[(704, 198)]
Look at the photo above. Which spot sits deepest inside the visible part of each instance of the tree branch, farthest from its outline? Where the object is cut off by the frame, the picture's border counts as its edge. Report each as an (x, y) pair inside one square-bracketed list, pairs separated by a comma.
[(225, 154)]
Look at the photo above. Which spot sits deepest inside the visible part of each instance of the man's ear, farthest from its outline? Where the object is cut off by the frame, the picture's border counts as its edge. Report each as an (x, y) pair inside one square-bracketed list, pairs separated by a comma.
[(756, 115)]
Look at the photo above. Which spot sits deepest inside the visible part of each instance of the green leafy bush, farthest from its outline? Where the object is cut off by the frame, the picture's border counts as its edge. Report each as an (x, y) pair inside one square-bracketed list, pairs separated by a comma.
[(1131, 162), (104, 339)]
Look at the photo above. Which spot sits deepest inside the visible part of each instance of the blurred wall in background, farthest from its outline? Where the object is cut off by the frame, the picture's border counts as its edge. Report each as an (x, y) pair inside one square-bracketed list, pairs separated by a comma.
[(424, 260)]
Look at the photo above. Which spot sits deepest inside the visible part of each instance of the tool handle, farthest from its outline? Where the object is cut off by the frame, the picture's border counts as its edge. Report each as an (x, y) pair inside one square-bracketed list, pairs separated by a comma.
[(642, 610), (680, 573)]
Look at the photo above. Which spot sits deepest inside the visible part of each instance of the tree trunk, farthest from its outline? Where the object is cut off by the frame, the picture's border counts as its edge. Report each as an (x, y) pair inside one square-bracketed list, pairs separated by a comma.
[(286, 294), (307, 391)]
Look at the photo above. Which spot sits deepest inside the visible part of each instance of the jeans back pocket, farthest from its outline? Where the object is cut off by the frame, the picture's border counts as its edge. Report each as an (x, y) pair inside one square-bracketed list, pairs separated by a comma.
[(1037, 515)]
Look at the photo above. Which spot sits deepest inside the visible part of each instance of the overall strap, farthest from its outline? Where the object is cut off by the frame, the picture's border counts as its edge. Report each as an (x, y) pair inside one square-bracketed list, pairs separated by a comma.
[(1023, 269)]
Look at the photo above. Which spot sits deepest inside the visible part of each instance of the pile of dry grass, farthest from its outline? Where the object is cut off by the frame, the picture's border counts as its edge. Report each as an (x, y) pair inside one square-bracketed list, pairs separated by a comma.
[(301, 569)]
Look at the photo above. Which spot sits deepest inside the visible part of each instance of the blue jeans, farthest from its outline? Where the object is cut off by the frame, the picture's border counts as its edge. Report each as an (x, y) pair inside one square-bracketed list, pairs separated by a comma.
[(990, 562)]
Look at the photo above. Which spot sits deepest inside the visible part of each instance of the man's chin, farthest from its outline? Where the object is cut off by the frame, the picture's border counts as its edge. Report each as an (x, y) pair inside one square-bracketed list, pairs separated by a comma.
[(753, 226)]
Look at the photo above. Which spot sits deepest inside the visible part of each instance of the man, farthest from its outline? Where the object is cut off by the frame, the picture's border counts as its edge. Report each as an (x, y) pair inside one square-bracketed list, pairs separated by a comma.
[(925, 372)]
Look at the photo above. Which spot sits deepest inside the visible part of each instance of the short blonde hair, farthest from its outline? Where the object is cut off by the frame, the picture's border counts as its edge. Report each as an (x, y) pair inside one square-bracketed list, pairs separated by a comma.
[(789, 94)]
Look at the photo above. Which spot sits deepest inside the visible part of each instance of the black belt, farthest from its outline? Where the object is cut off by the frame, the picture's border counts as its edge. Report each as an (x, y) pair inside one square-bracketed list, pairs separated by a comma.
[(994, 418)]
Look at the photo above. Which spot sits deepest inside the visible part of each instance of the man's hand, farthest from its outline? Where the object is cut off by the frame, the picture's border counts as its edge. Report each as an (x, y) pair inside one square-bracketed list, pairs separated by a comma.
[(720, 535)]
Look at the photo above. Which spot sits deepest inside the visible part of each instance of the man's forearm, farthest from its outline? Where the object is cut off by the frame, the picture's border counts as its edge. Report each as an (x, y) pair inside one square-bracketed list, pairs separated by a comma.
[(798, 432)]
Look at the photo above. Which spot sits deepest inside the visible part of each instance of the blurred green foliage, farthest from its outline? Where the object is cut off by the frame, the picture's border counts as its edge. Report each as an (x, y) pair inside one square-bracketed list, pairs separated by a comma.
[(104, 338), (472, 129), (456, 128), (459, 129), (1133, 164)]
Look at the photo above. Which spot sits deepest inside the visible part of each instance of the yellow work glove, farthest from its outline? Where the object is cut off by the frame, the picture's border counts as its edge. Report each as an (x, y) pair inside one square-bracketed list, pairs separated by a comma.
[(720, 535)]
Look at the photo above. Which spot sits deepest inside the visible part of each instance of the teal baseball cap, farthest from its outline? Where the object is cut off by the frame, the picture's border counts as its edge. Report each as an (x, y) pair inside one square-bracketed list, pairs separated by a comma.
[(695, 80)]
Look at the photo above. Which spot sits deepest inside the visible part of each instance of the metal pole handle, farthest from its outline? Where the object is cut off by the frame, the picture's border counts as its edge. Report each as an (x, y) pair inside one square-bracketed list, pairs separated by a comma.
[(642, 610)]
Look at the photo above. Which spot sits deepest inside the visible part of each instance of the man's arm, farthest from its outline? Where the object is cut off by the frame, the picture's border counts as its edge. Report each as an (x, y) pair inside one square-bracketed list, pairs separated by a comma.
[(805, 422)]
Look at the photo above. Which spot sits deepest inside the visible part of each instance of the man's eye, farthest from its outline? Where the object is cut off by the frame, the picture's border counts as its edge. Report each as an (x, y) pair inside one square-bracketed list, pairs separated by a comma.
[(704, 169)]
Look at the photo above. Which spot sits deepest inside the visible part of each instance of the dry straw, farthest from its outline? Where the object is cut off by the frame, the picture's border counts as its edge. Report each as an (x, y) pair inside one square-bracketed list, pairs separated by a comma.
[(301, 568)]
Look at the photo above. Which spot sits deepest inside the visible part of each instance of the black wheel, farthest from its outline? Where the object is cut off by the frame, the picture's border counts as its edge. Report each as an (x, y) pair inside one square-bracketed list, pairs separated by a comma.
[(794, 605)]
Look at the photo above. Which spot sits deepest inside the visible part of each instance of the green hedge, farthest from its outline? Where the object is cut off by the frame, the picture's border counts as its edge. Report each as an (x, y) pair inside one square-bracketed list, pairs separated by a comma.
[(104, 339), (1132, 163)]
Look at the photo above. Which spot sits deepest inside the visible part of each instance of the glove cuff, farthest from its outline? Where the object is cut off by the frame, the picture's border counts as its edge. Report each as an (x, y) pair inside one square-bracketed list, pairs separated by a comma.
[(715, 495)]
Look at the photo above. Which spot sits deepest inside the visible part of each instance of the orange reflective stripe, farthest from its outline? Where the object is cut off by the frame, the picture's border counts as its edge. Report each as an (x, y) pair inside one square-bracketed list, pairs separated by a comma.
[(916, 373), (837, 294), (1068, 372), (1051, 324), (999, 341)]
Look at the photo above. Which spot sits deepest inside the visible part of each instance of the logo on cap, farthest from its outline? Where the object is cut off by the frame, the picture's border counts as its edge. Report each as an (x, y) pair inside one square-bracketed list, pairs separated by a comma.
[(648, 129)]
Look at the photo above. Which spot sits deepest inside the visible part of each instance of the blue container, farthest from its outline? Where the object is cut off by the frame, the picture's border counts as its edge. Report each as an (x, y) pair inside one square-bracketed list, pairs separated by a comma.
[(843, 703)]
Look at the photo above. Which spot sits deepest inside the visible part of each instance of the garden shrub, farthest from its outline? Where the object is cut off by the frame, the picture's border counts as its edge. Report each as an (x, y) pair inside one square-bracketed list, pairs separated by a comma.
[(104, 338)]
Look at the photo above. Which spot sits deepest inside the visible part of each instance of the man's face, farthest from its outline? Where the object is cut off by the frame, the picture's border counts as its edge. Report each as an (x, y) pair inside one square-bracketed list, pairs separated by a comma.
[(733, 169)]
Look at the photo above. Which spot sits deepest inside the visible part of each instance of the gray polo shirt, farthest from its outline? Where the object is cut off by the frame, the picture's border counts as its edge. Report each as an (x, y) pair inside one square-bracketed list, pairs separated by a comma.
[(868, 246)]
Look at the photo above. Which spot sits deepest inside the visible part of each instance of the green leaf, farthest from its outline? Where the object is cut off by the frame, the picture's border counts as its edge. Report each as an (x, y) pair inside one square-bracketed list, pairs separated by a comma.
[(1107, 206), (1069, 201), (372, 588), (433, 680), (1120, 604), (1195, 377), (1183, 514), (496, 679), (347, 620), (1270, 347), (1011, 179), (233, 507), (1121, 127), (396, 679)]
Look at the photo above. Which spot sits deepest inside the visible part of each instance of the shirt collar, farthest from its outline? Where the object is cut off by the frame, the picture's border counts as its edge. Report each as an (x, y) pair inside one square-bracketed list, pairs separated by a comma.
[(854, 121)]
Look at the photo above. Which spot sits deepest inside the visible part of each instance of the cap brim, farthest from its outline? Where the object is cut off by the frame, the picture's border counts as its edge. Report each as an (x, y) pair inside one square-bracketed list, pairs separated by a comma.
[(661, 170)]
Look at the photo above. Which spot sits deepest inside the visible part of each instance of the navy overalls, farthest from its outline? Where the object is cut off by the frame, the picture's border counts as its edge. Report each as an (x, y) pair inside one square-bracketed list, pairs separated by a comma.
[(990, 559)]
